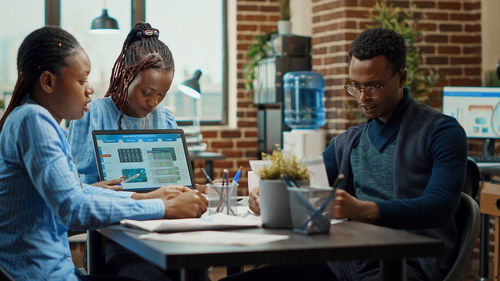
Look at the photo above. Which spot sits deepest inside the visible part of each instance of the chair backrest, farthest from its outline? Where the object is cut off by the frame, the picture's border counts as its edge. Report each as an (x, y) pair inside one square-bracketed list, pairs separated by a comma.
[(472, 178), (467, 219), (4, 275)]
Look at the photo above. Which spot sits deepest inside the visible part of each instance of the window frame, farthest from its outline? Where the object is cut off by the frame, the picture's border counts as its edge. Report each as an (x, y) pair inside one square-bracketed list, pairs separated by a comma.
[(138, 8)]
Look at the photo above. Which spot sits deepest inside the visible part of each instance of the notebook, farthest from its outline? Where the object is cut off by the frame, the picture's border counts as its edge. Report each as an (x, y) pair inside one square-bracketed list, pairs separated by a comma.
[(148, 159)]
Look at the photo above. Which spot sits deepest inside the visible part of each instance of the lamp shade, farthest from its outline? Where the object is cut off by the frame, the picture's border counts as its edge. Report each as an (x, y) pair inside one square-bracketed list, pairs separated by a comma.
[(104, 21), (191, 87)]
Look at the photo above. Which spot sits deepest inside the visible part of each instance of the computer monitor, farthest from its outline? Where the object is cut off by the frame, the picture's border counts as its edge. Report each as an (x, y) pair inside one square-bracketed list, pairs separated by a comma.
[(477, 109)]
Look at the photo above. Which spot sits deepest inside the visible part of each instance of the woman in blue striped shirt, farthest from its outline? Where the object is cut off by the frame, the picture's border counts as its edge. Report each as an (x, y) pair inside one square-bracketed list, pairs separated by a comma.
[(40, 194), (140, 79)]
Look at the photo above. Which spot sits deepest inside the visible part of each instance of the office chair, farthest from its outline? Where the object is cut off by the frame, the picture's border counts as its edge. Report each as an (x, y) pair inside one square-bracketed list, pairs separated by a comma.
[(4, 275), (467, 220), (472, 178)]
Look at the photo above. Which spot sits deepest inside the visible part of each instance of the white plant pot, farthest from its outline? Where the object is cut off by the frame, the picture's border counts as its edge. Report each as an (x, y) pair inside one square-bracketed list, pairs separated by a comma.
[(284, 27), (275, 204)]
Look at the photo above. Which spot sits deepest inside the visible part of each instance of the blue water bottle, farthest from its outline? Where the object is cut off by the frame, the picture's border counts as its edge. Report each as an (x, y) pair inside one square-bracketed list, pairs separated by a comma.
[(303, 93)]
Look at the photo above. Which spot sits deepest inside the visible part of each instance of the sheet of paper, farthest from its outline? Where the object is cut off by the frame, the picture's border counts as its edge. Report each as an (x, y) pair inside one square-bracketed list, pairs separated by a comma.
[(215, 237), (317, 172), (217, 221), (257, 164)]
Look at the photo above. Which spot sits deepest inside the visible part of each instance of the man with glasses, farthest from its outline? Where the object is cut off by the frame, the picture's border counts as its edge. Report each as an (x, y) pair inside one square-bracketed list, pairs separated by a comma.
[(404, 168)]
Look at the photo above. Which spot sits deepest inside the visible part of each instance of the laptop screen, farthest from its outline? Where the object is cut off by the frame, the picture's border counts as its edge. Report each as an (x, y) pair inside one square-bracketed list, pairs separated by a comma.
[(148, 159)]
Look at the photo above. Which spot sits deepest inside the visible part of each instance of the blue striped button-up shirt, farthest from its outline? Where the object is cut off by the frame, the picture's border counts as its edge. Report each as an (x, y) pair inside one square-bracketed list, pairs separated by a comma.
[(41, 198)]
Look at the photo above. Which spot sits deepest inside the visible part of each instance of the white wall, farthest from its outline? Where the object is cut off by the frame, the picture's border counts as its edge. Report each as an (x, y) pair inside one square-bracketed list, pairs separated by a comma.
[(301, 17), (490, 24)]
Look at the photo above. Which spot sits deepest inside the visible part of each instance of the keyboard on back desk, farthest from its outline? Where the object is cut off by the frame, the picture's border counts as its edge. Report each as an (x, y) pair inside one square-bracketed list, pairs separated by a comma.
[(485, 159)]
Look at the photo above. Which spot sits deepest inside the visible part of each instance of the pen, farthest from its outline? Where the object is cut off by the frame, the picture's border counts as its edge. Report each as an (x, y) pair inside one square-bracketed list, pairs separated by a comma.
[(225, 177), (237, 176), (286, 181), (207, 177), (131, 178)]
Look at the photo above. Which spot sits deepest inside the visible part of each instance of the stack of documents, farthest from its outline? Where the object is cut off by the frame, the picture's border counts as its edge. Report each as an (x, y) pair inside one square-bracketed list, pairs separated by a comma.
[(217, 221)]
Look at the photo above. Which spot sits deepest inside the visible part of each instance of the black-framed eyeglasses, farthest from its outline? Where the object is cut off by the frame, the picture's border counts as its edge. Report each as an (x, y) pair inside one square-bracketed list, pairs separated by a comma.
[(372, 91)]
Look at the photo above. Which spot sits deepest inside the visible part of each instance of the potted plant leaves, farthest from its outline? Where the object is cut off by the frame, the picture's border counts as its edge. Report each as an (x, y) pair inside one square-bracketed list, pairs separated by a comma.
[(274, 198)]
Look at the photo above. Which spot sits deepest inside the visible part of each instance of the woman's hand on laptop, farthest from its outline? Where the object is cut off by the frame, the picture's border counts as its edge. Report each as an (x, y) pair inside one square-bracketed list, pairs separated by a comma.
[(111, 184), (190, 204)]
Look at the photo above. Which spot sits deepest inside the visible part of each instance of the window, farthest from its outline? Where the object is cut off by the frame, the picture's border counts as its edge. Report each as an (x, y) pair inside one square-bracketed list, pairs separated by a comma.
[(197, 39), (102, 48), (194, 30), (17, 21)]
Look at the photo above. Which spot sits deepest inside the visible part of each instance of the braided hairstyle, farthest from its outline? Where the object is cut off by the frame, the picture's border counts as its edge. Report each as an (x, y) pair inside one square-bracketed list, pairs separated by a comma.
[(48, 48), (141, 50)]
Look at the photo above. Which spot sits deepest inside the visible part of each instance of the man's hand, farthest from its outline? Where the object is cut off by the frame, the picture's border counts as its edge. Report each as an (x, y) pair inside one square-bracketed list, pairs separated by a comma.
[(348, 206), (168, 192), (190, 204), (111, 184), (254, 201)]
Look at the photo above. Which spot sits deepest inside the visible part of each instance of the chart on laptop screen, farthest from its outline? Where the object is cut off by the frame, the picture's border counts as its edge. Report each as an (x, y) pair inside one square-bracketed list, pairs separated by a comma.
[(477, 109), (144, 160)]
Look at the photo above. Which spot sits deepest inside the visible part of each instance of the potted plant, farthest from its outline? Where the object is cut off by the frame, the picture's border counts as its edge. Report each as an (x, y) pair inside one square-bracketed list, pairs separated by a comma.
[(255, 53), (274, 198), (284, 25)]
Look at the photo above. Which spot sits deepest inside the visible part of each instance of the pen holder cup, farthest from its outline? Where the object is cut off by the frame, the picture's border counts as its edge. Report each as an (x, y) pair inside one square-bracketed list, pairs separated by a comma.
[(312, 209), (222, 198)]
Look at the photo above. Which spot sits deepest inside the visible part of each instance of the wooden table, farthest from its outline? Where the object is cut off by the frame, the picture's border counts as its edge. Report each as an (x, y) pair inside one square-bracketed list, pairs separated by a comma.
[(346, 241)]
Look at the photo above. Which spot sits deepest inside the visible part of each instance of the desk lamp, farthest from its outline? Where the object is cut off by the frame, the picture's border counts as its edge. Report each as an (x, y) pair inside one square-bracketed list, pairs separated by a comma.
[(191, 88)]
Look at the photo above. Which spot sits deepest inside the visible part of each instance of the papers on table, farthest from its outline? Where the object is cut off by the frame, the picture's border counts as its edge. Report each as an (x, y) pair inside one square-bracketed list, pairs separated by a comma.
[(217, 221), (315, 167), (215, 237)]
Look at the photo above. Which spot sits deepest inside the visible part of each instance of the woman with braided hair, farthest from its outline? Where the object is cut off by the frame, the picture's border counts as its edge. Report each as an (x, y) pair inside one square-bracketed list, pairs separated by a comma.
[(140, 79)]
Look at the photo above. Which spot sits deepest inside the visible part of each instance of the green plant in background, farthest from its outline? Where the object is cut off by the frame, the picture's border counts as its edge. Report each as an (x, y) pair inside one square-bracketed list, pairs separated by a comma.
[(491, 79), (285, 9), (283, 164), (404, 22), (255, 53)]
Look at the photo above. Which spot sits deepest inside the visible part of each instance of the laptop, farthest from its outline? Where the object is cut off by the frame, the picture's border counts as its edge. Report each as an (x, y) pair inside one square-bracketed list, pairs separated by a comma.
[(148, 159)]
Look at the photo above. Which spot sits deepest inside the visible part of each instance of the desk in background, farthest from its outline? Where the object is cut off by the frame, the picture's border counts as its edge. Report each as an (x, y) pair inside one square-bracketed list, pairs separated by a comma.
[(346, 241), (488, 169), (208, 157)]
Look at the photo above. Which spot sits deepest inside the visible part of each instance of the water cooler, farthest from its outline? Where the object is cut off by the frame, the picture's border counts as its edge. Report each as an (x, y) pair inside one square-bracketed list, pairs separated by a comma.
[(304, 113)]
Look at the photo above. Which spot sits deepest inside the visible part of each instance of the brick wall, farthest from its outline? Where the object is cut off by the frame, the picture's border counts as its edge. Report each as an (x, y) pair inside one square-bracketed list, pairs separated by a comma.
[(240, 145), (451, 45)]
